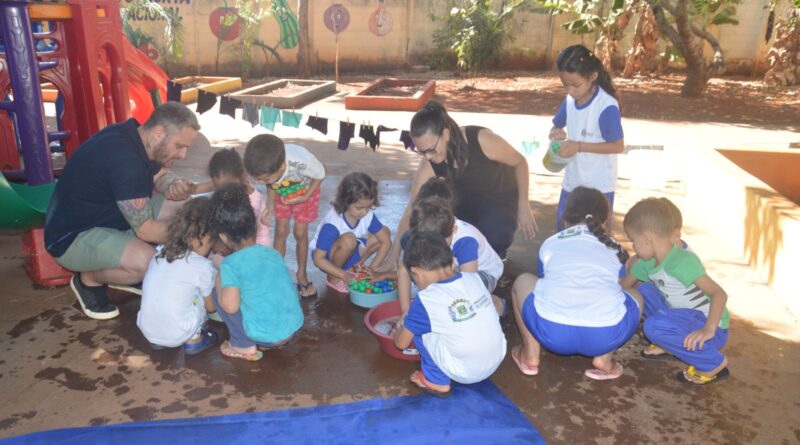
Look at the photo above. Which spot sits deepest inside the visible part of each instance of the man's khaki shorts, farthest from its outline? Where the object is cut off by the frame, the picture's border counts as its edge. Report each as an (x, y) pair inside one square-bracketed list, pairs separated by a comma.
[(101, 247)]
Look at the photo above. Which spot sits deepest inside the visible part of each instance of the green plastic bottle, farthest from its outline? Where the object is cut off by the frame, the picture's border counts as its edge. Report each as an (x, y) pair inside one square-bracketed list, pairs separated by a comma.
[(552, 161)]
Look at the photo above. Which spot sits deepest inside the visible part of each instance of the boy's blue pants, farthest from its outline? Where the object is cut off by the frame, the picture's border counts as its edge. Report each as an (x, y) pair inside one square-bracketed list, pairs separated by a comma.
[(667, 328), (429, 368)]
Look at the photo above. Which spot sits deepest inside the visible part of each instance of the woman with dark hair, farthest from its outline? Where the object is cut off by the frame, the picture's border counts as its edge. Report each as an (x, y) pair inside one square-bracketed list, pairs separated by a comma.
[(489, 176)]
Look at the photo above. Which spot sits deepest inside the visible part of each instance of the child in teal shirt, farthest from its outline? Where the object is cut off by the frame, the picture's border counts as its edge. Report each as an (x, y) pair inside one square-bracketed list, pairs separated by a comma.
[(258, 301)]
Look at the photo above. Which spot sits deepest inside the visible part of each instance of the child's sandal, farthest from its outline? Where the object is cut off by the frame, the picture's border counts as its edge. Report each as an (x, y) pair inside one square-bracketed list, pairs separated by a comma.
[(227, 350), (302, 289), (650, 356), (703, 380)]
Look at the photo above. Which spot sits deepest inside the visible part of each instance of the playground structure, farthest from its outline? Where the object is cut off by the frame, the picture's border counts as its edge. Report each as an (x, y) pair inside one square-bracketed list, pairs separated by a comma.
[(102, 79)]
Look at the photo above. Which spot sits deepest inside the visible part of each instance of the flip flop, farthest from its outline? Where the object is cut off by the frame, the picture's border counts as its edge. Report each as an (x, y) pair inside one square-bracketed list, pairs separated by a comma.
[(208, 338), (227, 350), (523, 368), (302, 288), (662, 356), (722, 375), (599, 374), (338, 286), (425, 386)]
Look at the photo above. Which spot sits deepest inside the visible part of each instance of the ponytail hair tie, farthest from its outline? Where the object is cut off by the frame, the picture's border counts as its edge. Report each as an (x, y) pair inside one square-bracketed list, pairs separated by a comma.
[(588, 216)]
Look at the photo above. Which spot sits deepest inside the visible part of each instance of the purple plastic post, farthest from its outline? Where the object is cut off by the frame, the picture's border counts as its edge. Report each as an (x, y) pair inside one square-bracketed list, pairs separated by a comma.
[(23, 71)]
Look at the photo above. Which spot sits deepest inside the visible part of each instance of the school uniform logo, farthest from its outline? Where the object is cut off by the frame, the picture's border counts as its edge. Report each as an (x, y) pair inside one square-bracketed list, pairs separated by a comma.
[(461, 310)]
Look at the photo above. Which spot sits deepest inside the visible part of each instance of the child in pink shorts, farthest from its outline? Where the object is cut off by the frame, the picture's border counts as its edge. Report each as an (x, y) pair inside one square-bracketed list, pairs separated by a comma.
[(294, 176)]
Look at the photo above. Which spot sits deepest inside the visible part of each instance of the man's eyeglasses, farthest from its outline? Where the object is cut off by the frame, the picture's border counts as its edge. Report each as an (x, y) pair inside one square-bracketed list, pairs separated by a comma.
[(430, 150)]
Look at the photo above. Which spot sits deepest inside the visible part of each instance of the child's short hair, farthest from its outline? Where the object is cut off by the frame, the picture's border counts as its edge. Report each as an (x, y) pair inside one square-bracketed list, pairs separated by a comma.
[(677, 217), (589, 206), (440, 188), (264, 155), (352, 188), (232, 214), (432, 215), (428, 251), (226, 162), (191, 223), (650, 214)]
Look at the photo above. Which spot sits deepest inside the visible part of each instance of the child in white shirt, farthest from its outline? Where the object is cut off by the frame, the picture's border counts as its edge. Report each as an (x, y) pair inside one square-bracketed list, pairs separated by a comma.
[(452, 322), (177, 287)]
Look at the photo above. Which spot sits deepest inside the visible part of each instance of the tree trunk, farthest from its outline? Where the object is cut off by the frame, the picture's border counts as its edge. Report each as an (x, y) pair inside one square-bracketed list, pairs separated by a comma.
[(696, 68), (303, 69), (607, 46), (643, 55)]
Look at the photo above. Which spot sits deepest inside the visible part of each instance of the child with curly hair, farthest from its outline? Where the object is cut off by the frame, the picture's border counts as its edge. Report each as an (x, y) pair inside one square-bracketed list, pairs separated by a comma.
[(177, 287)]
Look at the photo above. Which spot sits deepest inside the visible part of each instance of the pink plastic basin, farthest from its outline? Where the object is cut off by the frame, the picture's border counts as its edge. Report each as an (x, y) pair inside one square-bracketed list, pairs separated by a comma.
[(379, 313)]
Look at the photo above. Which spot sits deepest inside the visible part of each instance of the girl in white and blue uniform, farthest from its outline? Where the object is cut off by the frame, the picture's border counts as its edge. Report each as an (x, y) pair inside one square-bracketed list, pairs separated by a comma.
[(350, 232), (578, 305), (593, 137)]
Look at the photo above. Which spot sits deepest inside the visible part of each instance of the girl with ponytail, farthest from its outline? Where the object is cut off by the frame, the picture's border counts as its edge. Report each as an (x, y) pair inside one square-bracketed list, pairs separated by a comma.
[(577, 305), (590, 124), (489, 177)]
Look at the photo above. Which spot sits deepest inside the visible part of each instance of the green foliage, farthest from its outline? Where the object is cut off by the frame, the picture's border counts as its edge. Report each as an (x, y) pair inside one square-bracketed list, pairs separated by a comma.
[(474, 32), (713, 12), (587, 21), (173, 29)]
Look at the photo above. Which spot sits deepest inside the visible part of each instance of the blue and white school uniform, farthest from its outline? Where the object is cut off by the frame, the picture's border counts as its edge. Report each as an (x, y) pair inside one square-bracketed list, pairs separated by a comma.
[(456, 330), (469, 244), (334, 225), (578, 307), (596, 121)]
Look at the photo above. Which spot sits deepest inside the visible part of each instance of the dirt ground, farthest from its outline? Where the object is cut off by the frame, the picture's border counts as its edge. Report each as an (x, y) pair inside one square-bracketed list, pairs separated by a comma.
[(61, 369), (734, 100)]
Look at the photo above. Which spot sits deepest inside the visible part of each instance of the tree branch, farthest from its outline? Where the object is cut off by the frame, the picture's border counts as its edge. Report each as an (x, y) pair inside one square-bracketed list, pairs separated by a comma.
[(663, 24), (718, 64)]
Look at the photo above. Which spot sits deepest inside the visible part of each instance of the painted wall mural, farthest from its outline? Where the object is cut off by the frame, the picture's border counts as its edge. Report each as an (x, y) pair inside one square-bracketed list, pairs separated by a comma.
[(336, 18), (225, 24), (380, 22), (290, 36)]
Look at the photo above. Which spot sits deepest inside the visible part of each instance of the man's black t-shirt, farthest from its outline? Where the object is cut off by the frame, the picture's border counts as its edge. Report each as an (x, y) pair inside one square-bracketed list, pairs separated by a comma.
[(110, 166)]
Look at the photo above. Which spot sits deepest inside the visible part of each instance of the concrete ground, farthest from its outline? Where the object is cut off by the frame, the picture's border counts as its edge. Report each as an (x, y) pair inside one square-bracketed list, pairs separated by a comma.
[(61, 369)]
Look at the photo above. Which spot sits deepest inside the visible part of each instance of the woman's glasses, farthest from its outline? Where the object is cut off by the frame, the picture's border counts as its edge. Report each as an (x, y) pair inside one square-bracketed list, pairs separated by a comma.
[(430, 150)]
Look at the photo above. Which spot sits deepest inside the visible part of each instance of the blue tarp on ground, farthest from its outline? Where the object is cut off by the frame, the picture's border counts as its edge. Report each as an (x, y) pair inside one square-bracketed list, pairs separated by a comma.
[(474, 414)]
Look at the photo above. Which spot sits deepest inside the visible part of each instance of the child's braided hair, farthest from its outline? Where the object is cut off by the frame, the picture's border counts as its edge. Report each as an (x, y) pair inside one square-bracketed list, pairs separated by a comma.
[(589, 206)]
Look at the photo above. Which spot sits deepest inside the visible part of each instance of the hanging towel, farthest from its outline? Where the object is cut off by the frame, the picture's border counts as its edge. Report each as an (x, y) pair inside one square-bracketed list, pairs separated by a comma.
[(346, 132), (378, 133), (291, 119), (405, 138), (228, 106), (318, 123), (269, 117), (174, 91), (368, 134), (205, 101), (250, 114)]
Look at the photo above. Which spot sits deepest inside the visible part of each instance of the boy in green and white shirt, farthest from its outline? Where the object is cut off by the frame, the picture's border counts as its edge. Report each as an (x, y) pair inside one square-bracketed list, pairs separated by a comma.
[(688, 319)]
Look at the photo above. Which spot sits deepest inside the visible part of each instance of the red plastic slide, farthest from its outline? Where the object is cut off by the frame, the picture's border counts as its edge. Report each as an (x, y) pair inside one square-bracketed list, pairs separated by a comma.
[(144, 76)]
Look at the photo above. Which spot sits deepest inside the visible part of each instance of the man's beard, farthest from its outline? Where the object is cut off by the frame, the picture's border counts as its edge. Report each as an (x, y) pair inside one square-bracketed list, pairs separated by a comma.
[(160, 155)]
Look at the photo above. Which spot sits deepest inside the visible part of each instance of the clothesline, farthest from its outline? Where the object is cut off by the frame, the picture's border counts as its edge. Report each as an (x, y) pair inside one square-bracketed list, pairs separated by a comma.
[(268, 116)]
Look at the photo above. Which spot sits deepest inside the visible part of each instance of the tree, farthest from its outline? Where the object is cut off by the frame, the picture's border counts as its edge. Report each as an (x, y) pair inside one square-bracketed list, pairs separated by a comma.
[(303, 68), (475, 31), (688, 38), (683, 22), (782, 55)]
